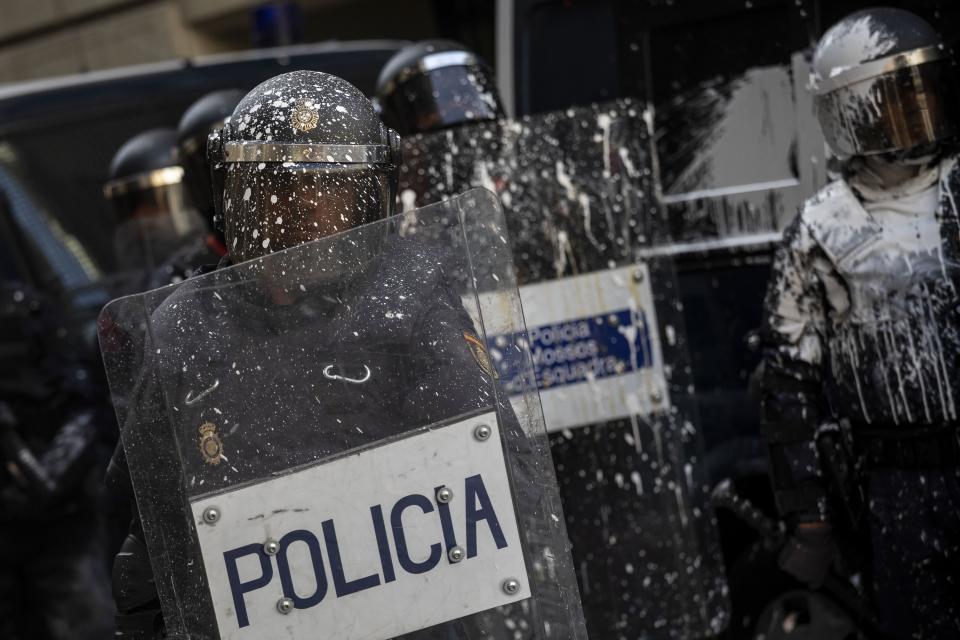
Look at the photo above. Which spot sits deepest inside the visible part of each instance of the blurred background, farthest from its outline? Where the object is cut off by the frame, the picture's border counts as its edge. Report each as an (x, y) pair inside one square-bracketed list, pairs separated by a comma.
[(81, 76), (78, 77)]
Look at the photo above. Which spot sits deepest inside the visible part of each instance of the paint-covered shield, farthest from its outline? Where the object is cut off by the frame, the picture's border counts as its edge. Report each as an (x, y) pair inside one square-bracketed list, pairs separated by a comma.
[(319, 441), (607, 341)]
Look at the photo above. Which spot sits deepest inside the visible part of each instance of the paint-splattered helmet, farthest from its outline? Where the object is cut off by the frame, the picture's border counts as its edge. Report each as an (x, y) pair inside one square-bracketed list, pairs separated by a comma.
[(153, 212), (883, 83), (436, 84), (303, 156)]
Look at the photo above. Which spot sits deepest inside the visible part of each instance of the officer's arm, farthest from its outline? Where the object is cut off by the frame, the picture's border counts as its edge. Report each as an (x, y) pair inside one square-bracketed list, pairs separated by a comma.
[(793, 404)]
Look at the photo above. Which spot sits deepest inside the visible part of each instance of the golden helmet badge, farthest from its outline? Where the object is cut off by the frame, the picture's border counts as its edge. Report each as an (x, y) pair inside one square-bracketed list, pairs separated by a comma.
[(304, 117), (211, 446)]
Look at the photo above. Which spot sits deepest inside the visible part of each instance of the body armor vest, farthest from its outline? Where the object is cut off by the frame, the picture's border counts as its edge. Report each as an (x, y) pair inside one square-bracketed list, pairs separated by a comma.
[(892, 340)]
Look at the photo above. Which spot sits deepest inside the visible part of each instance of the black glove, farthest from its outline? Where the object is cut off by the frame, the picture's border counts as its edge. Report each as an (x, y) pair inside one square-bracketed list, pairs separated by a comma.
[(809, 553)]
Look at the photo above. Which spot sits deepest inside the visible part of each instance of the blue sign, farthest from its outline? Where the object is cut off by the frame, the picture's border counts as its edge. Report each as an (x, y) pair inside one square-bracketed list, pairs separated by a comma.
[(578, 350)]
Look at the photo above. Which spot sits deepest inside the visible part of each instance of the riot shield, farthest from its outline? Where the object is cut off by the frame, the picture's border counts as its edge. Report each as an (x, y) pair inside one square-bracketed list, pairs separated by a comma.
[(318, 441), (607, 338)]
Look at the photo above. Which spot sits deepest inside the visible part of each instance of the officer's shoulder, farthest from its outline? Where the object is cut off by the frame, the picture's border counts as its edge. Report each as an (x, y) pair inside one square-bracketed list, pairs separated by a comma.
[(181, 311), (813, 212), (822, 199), (823, 205)]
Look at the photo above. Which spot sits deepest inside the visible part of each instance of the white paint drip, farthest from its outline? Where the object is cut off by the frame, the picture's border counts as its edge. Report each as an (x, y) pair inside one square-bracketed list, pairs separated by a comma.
[(604, 121)]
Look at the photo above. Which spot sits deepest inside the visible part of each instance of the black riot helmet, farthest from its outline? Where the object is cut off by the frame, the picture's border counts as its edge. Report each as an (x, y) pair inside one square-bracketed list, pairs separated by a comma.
[(198, 121), (436, 84), (884, 84), (303, 156), (145, 188)]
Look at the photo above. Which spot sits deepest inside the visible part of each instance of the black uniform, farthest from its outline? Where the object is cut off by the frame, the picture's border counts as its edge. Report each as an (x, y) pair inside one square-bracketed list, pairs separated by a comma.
[(872, 339)]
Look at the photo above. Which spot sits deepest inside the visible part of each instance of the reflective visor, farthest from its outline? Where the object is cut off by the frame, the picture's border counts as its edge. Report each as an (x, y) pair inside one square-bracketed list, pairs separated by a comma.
[(897, 111), (441, 98), (273, 206), (152, 223)]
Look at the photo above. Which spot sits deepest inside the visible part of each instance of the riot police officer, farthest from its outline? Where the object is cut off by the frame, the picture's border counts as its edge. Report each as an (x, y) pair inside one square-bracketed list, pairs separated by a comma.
[(861, 317), (328, 166), (436, 84), (199, 120), (160, 236)]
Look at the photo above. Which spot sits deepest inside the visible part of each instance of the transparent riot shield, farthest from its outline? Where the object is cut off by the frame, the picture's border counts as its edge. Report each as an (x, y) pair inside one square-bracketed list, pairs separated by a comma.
[(320, 446), (606, 334)]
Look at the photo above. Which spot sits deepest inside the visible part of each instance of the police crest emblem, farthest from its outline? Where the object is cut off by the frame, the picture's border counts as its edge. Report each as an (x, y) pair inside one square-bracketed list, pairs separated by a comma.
[(211, 446), (479, 352), (304, 117)]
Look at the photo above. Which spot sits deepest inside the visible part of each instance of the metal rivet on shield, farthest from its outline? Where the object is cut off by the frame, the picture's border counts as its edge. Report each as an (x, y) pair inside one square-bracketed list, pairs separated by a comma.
[(511, 586), (211, 515), (271, 547), (444, 494), (284, 605), (656, 396), (638, 275), (482, 432), (455, 554)]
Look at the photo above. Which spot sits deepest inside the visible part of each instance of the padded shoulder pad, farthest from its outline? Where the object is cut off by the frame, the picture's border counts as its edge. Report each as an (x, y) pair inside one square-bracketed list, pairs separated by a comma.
[(839, 222)]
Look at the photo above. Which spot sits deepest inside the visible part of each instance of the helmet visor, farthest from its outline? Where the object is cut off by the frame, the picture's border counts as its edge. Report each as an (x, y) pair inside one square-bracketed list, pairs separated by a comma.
[(273, 206), (152, 224), (442, 98), (897, 111)]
